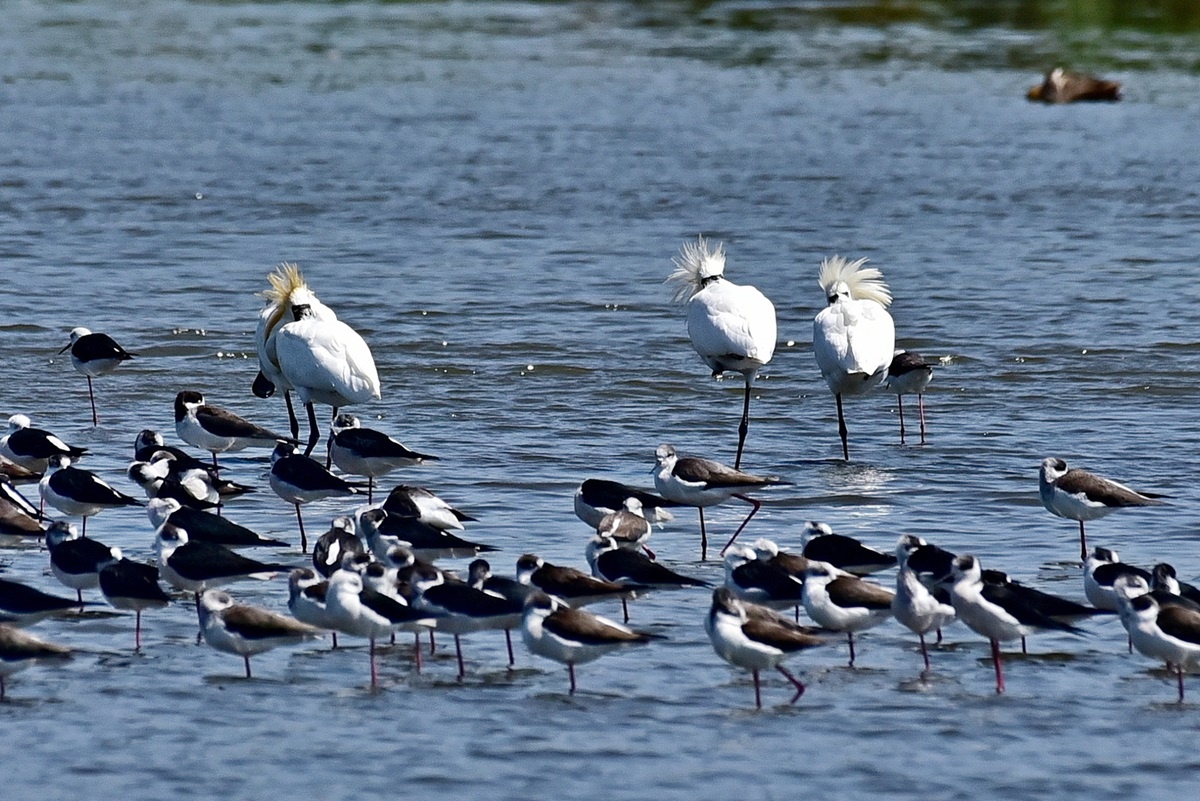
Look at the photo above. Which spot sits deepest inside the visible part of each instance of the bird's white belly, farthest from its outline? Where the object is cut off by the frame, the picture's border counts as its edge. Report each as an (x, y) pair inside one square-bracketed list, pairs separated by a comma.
[(76, 581), (732, 645), (692, 494), (995, 627), (828, 614), (913, 382), (96, 367), (1144, 639), (191, 432), (919, 611), (1073, 507)]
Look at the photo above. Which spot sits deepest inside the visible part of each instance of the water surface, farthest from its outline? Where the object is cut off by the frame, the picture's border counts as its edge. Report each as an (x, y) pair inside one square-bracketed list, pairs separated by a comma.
[(491, 194)]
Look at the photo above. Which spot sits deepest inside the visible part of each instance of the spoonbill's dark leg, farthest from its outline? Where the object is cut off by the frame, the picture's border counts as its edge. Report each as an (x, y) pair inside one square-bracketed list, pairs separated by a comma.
[(314, 435), (293, 421), (842, 431), (329, 448), (743, 427)]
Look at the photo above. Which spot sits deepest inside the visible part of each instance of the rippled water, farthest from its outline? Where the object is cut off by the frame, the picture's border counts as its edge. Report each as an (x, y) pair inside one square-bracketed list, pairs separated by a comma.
[(491, 194)]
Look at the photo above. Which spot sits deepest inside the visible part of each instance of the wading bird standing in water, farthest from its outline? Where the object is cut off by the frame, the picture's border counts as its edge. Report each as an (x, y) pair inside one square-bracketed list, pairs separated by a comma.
[(1079, 495), (284, 282), (323, 360), (94, 355), (909, 374), (732, 327), (853, 336)]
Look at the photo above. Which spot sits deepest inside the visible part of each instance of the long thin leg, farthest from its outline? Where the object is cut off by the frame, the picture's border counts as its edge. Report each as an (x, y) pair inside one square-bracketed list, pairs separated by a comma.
[(924, 652), (247, 661), (374, 672), (571, 673), (624, 608), (293, 422), (1179, 673), (216, 466), (850, 637), (303, 536), (743, 427), (799, 685), (334, 633), (921, 411), (432, 643), (137, 630), (417, 649), (92, 395), (842, 430), (79, 596), (703, 536), (199, 631), (1082, 543), (756, 504), (999, 667), (900, 403), (508, 641), (329, 447), (462, 668), (757, 691), (370, 490), (314, 435)]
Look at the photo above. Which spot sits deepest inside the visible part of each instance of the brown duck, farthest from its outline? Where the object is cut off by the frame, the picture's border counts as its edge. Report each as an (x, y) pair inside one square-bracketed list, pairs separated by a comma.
[(1061, 86)]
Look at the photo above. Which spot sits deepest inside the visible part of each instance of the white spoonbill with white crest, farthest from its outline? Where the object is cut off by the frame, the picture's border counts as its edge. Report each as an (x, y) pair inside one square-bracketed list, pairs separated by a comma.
[(323, 360), (732, 327), (284, 281), (853, 336)]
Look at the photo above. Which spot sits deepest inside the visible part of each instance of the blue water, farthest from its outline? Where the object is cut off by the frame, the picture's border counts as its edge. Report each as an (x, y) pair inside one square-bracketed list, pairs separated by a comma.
[(492, 194)]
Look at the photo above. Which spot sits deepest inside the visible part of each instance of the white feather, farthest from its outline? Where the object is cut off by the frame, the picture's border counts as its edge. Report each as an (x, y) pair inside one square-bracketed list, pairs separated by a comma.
[(287, 289), (732, 327), (695, 264), (854, 336), (862, 283), (326, 361)]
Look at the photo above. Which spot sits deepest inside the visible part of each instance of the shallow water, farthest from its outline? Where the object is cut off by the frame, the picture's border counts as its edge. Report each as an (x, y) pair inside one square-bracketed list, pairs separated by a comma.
[(491, 194)]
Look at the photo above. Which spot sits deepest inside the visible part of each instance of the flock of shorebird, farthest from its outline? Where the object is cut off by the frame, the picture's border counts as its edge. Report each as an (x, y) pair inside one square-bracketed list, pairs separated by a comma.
[(371, 574)]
